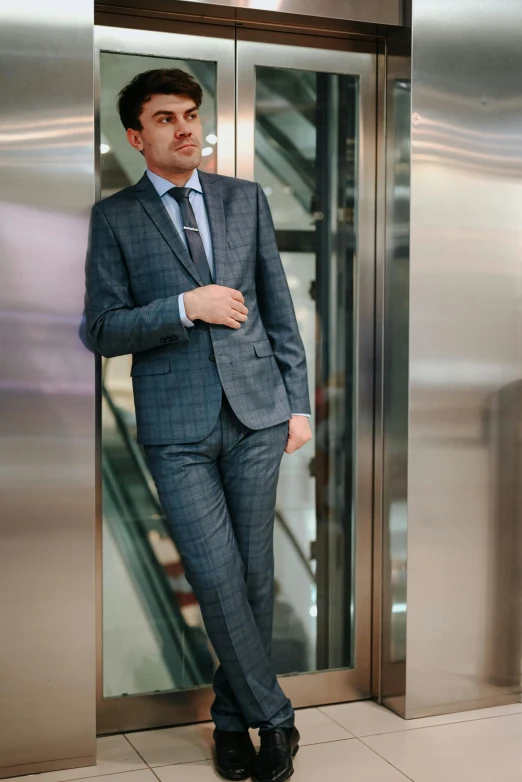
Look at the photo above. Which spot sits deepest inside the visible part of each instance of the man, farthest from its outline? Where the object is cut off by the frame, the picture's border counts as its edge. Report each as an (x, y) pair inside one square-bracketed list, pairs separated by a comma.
[(184, 273)]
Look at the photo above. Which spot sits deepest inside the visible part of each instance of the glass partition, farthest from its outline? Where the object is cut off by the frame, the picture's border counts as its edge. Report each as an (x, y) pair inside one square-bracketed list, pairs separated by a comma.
[(306, 151), (153, 635)]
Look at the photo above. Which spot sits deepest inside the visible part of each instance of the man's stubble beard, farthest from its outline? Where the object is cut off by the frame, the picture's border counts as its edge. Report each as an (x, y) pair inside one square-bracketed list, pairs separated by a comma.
[(177, 167), (182, 167)]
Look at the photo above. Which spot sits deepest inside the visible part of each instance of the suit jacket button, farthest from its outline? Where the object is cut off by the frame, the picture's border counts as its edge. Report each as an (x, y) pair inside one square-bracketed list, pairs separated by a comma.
[(174, 338), (212, 357), (163, 339)]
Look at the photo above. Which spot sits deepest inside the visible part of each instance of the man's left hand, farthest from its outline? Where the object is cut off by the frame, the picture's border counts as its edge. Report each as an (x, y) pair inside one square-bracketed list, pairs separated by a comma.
[(299, 433)]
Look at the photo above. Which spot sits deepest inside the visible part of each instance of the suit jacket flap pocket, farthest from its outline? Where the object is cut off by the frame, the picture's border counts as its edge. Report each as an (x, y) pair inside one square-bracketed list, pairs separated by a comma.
[(263, 349), (150, 368)]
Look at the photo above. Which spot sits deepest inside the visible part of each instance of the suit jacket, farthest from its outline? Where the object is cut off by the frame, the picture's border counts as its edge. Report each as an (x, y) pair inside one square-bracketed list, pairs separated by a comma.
[(138, 265)]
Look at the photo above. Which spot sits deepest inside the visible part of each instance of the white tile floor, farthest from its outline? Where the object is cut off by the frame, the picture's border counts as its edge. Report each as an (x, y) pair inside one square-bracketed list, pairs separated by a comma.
[(353, 742)]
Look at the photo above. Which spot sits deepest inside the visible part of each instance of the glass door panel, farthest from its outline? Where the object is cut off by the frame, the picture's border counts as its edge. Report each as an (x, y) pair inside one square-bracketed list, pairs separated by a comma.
[(153, 638), (307, 127)]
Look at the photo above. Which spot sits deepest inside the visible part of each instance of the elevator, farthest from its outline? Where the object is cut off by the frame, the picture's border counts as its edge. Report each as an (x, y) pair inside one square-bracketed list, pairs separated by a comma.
[(300, 111)]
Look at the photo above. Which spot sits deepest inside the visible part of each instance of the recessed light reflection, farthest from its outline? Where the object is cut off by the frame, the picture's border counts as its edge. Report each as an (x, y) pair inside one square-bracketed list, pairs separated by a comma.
[(313, 611), (104, 148), (206, 151), (212, 138)]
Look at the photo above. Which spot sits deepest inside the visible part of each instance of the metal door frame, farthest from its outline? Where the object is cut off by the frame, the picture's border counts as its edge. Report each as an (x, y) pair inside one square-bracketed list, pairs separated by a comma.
[(338, 56)]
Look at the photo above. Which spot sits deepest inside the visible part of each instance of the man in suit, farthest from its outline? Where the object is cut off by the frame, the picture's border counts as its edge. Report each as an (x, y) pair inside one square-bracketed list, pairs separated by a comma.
[(184, 273)]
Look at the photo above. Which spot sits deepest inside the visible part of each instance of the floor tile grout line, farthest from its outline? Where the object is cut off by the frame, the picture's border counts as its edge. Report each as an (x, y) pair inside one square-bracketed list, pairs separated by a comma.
[(157, 777), (328, 741), (428, 727), (386, 761), (93, 777), (138, 753), (349, 737), (338, 723), (210, 759), (439, 725), (184, 763)]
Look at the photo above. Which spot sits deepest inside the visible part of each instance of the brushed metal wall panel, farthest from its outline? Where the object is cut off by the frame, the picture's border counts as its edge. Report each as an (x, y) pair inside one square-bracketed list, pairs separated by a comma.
[(395, 323), (465, 351), (393, 12), (377, 11), (47, 653)]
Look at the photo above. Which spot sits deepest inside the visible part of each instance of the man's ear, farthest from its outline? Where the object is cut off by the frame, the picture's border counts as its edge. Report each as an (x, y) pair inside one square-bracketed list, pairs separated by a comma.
[(134, 139)]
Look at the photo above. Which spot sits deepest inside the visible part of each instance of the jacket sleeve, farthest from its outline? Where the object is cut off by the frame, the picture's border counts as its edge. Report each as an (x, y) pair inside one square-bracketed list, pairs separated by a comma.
[(114, 325), (277, 311)]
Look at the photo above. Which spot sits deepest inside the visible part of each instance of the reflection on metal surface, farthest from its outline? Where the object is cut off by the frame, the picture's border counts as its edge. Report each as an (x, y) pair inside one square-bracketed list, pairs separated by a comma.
[(395, 370), (294, 122), (47, 654), (465, 349), (504, 610), (377, 11)]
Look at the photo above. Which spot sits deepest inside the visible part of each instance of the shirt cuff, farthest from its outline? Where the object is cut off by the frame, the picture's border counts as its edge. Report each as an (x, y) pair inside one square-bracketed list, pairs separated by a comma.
[(305, 415), (183, 315)]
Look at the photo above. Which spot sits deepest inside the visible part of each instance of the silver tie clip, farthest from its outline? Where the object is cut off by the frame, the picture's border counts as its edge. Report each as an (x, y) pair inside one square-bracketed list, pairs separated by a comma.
[(188, 228)]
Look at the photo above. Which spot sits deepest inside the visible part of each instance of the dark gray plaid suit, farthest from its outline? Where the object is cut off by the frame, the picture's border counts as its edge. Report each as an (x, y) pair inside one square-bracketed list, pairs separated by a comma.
[(212, 408)]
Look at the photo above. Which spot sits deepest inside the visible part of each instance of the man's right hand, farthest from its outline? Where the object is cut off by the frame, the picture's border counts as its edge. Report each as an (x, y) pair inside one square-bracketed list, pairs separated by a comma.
[(216, 304)]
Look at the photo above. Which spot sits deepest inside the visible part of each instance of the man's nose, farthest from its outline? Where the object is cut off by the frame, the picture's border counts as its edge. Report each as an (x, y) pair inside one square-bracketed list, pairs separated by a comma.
[(182, 130)]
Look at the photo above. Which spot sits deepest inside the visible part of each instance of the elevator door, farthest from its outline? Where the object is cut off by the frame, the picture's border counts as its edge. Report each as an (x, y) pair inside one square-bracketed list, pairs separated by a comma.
[(301, 122)]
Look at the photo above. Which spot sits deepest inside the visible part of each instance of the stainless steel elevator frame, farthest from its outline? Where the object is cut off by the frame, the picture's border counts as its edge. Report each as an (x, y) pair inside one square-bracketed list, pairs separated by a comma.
[(335, 54)]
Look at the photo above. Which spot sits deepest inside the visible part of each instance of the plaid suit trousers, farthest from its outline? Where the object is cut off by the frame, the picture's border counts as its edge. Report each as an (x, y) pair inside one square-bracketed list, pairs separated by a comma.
[(219, 498)]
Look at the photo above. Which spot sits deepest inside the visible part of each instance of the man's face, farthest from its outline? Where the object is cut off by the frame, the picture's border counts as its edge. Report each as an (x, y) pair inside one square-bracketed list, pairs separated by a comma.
[(171, 135)]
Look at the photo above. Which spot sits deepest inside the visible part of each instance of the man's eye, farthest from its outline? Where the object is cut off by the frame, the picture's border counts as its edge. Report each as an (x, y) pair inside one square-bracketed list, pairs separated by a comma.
[(165, 119), (193, 116)]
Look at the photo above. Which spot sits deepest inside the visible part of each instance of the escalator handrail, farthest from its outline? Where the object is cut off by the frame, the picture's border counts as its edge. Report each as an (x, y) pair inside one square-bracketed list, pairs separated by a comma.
[(164, 621), (133, 448)]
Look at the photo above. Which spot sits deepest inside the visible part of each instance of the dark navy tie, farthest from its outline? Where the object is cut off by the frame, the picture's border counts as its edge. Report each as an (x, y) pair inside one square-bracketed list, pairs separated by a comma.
[(194, 240)]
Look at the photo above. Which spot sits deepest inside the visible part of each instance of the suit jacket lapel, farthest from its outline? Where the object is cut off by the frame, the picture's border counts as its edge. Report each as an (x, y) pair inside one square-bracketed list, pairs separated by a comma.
[(216, 218), (151, 202)]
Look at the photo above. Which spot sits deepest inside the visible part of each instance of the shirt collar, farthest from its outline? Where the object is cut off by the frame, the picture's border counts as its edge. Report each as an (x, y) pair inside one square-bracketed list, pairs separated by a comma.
[(163, 185)]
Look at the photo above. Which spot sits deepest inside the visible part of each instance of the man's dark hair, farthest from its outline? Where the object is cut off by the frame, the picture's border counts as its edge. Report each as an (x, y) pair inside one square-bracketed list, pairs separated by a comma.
[(161, 81)]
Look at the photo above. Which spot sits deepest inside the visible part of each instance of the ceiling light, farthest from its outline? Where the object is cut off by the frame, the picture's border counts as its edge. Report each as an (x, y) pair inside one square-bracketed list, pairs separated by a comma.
[(104, 148), (212, 138), (206, 151)]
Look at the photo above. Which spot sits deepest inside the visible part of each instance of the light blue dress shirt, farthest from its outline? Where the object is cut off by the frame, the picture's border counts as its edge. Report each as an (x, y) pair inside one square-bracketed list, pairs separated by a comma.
[(198, 205)]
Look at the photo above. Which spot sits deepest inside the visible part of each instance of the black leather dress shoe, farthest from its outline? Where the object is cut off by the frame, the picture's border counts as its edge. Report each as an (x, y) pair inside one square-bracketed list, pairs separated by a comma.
[(235, 754), (274, 762)]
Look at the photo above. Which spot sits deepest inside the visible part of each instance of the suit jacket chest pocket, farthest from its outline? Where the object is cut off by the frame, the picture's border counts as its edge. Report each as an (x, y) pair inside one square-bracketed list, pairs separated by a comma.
[(241, 250), (241, 230)]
